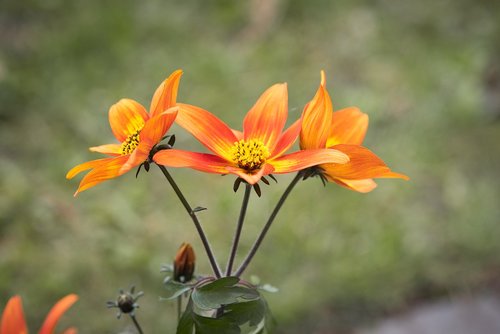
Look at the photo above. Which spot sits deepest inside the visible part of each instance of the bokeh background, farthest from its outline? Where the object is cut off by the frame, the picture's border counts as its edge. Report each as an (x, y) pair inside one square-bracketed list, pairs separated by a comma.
[(426, 72)]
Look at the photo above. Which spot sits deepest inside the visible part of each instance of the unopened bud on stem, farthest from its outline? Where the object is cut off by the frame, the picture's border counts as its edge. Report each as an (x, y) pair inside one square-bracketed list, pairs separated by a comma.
[(184, 263)]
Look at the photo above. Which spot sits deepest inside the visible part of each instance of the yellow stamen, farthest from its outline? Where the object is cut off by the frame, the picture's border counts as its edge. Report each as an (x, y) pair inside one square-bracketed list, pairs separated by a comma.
[(249, 155), (130, 144)]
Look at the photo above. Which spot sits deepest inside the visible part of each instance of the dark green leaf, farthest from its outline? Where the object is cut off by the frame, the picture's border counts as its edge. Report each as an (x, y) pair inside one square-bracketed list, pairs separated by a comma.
[(223, 291), (252, 312), (222, 325), (186, 322), (270, 322)]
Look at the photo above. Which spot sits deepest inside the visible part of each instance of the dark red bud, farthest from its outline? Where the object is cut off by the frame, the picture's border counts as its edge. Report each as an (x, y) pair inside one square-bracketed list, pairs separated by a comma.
[(184, 263)]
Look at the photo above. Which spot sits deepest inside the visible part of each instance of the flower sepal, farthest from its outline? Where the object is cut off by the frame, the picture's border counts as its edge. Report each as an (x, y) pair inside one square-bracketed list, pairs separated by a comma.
[(255, 186), (156, 148), (315, 171)]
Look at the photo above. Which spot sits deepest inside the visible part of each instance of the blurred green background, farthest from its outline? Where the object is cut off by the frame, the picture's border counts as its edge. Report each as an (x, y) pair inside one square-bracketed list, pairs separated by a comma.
[(426, 72)]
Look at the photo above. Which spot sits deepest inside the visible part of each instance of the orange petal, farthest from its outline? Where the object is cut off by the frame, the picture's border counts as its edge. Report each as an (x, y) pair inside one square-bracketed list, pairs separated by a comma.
[(363, 164), (349, 126), (86, 165), (156, 127), (56, 312), (238, 134), (151, 134), (110, 168), (304, 159), (317, 119), (165, 95), (267, 118), (13, 321), (251, 178), (71, 330), (287, 139), (362, 186), (110, 149), (200, 161), (207, 128), (126, 117), (140, 154)]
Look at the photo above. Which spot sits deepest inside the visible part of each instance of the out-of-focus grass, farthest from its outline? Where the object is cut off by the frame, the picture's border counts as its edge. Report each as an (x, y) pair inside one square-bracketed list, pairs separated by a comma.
[(415, 67)]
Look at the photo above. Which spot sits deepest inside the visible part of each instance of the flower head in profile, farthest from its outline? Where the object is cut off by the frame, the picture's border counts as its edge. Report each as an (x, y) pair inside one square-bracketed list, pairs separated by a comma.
[(13, 321), (137, 132), (344, 131), (184, 263), (257, 151)]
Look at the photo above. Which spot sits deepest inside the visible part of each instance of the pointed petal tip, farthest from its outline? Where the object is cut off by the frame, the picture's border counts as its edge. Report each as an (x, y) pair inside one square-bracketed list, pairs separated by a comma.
[(165, 95), (323, 78), (400, 176), (12, 319), (57, 312)]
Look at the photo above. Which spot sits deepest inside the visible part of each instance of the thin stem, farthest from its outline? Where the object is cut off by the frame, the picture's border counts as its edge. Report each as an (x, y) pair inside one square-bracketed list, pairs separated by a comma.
[(194, 218), (263, 233), (236, 240), (136, 323)]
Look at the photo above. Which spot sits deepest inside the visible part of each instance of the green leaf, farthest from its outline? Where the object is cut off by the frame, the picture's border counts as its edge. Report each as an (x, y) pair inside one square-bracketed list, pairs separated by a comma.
[(252, 312), (186, 322), (223, 291), (248, 317), (270, 322), (174, 289), (221, 325)]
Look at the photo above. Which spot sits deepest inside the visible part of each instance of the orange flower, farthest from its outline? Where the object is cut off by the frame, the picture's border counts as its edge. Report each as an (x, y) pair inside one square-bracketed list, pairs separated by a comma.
[(253, 153), (343, 130), (136, 130), (13, 316)]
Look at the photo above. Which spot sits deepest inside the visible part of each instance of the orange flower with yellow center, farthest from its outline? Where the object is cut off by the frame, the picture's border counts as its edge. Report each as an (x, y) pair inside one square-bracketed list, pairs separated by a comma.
[(257, 151), (344, 131), (137, 131), (13, 321)]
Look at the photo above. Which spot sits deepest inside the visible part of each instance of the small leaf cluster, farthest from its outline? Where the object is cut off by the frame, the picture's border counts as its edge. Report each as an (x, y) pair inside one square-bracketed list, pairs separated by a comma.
[(226, 305)]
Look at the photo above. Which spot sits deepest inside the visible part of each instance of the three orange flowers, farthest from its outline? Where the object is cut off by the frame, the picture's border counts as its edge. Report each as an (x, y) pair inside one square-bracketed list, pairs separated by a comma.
[(330, 141)]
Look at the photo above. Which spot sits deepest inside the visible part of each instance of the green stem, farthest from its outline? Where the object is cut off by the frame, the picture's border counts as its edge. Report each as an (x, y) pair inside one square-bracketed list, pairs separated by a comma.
[(263, 233), (194, 218), (136, 323), (236, 240)]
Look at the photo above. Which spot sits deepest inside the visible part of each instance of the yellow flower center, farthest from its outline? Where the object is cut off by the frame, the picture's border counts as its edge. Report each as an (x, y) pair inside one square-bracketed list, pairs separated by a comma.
[(130, 144), (249, 155)]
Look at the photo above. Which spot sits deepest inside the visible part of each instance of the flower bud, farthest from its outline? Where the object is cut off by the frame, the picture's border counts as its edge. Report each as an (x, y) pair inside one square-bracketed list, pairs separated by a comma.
[(126, 302), (184, 263)]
